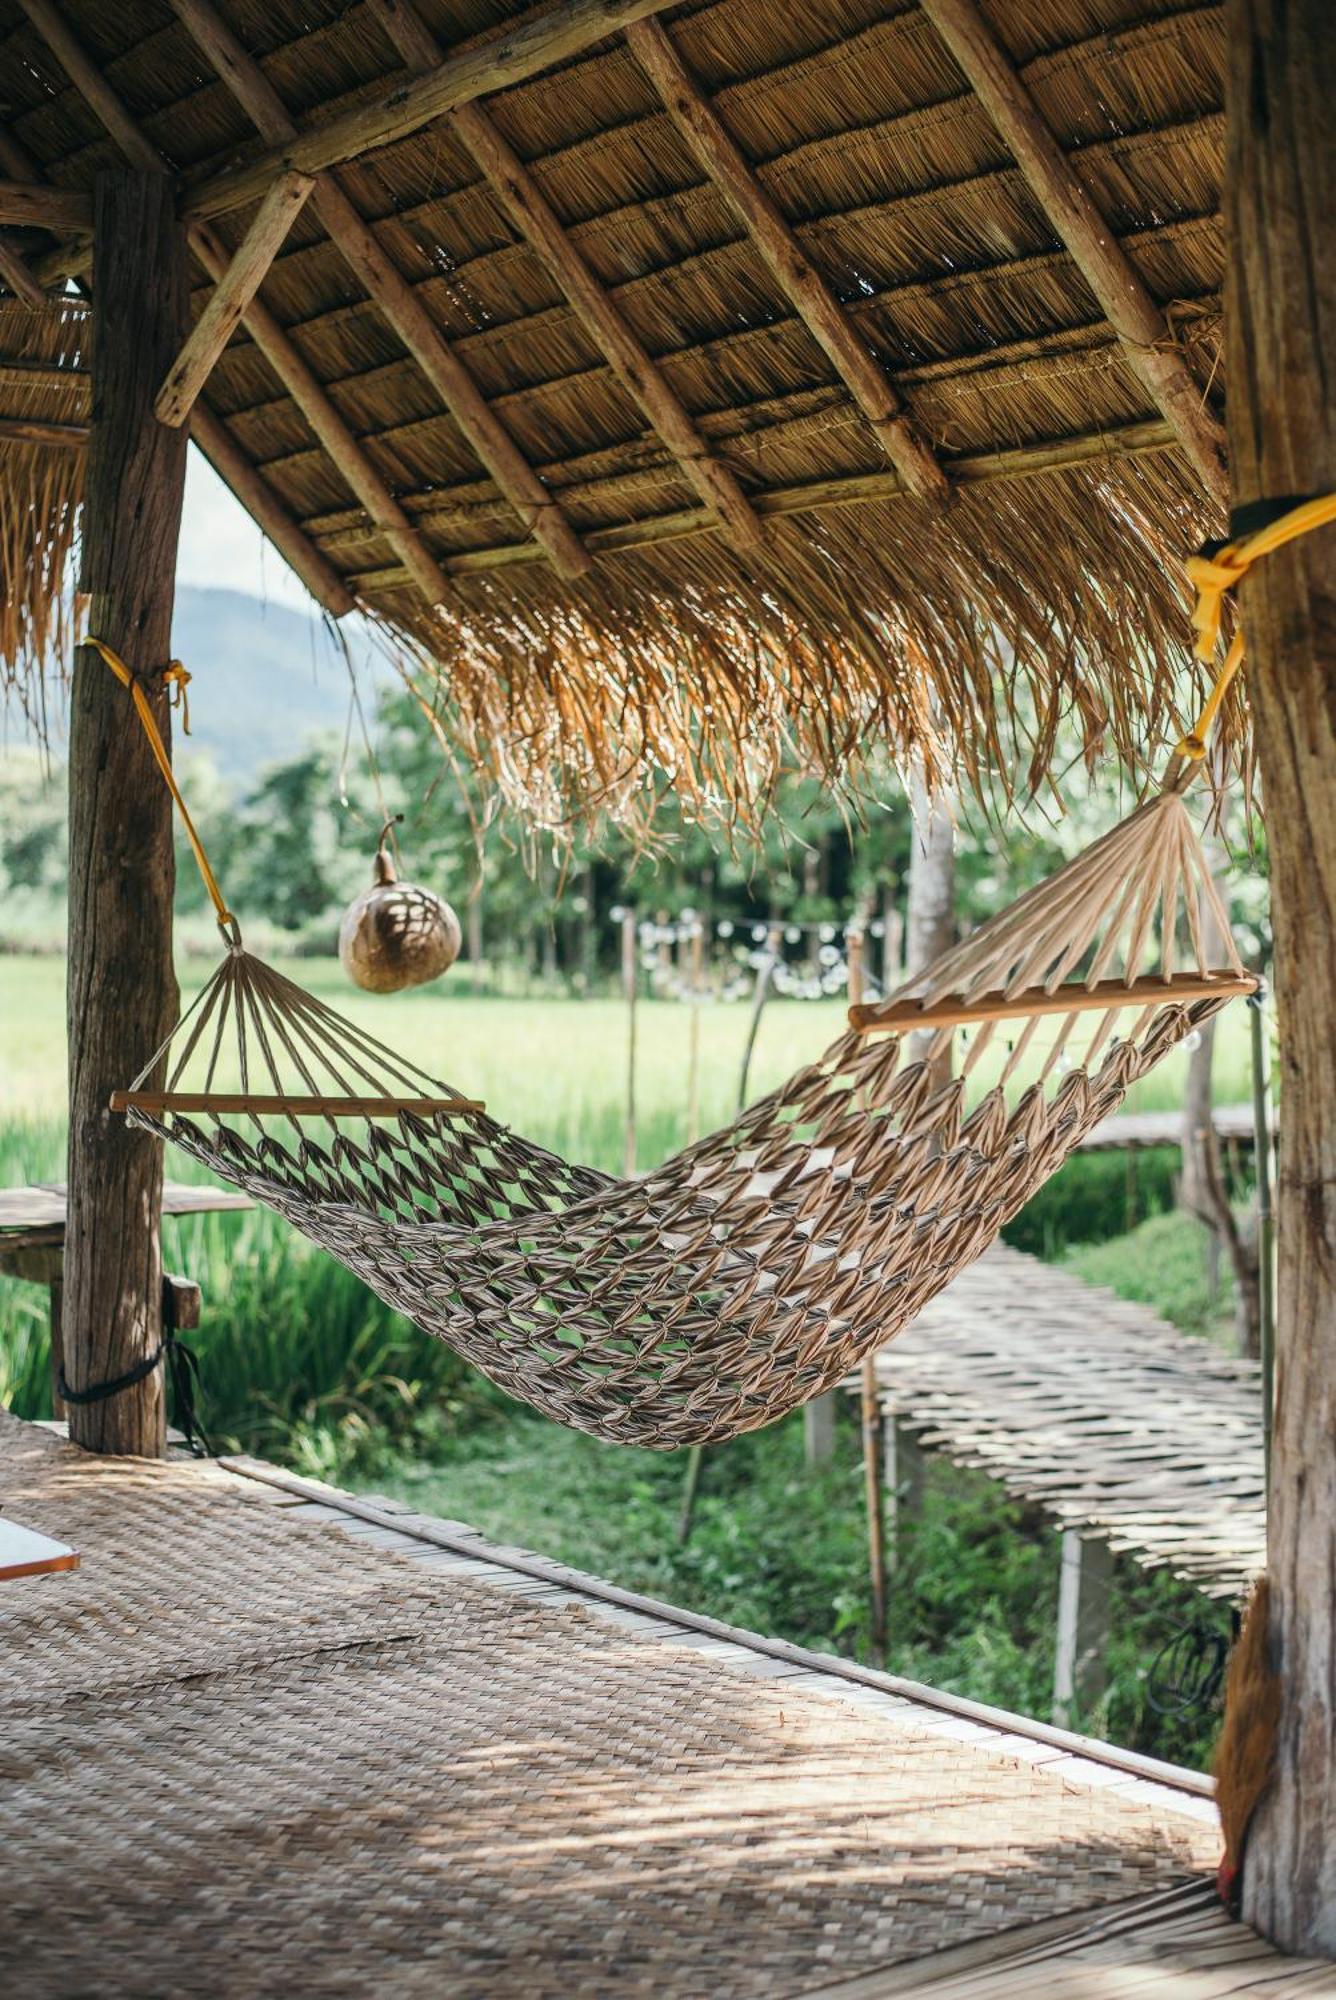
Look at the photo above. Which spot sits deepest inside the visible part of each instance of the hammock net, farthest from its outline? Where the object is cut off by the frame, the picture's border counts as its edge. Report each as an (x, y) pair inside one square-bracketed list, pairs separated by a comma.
[(755, 1269)]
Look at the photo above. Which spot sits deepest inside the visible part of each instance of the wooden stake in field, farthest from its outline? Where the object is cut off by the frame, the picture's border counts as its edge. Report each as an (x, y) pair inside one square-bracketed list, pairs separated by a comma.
[(695, 1001), (874, 1483), (630, 989)]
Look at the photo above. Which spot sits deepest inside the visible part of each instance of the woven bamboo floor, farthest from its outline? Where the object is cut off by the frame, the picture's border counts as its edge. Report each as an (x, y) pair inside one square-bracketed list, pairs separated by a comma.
[(247, 1754), (1095, 1409)]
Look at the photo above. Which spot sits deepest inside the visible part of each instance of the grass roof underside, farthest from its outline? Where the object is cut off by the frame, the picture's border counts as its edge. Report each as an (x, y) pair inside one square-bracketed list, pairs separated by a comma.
[(1038, 591)]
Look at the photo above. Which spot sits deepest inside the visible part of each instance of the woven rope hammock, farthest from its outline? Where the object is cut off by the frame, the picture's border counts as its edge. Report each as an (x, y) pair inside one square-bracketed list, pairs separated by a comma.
[(753, 1270)]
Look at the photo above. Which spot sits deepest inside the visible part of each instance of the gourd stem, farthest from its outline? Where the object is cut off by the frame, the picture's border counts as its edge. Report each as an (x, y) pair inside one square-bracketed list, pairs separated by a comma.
[(386, 872)]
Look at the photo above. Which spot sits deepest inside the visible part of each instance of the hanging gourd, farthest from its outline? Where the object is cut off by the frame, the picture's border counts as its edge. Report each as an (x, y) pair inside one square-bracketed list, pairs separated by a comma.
[(397, 934)]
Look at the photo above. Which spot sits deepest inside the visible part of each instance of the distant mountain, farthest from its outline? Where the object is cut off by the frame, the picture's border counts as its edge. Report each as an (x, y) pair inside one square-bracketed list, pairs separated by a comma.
[(264, 679)]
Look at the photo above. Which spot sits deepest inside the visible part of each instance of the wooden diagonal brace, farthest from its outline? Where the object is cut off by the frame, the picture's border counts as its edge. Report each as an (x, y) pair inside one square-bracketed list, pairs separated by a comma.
[(533, 44), (231, 296), (809, 294), (391, 292), (311, 398)]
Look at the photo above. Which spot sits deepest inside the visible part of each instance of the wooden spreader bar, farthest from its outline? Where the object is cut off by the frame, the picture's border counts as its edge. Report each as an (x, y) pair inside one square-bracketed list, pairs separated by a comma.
[(902, 1017), (220, 1103)]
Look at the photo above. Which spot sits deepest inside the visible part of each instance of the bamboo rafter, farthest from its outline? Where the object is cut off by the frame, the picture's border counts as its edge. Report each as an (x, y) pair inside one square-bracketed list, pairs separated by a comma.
[(821, 312), (1140, 324), (292, 370), (538, 224), (233, 293), (389, 290)]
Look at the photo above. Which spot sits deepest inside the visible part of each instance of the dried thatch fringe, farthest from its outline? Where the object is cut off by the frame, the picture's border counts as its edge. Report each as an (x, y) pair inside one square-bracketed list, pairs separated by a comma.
[(40, 494), (968, 647)]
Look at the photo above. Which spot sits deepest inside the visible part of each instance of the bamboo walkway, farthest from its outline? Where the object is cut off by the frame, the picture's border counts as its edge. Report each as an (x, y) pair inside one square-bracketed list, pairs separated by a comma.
[(1138, 1131), (1093, 1408), (275, 1738)]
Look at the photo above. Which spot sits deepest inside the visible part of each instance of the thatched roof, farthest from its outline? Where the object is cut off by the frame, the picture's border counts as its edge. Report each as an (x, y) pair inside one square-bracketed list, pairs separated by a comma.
[(758, 572)]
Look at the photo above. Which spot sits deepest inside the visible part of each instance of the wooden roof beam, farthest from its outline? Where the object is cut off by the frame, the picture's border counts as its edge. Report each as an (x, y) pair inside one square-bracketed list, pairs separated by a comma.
[(292, 370), (387, 287), (33, 205), (29, 430), (532, 45), (536, 221), (811, 297), (841, 490), (1145, 334), (232, 294), (15, 273), (300, 553)]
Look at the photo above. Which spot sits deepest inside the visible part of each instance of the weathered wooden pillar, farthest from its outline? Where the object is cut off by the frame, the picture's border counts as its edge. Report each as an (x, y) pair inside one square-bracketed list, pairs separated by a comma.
[(1281, 315), (122, 994)]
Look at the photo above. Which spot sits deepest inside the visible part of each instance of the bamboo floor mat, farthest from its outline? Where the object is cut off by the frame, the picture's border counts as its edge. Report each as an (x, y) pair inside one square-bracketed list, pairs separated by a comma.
[(243, 1755)]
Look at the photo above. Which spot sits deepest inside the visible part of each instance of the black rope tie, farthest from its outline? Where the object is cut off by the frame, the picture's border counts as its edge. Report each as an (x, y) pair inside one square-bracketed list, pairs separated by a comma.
[(183, 1366)]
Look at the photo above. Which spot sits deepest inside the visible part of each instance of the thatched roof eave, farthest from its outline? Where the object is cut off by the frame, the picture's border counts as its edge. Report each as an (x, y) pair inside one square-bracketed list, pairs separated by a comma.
[(741, 385)]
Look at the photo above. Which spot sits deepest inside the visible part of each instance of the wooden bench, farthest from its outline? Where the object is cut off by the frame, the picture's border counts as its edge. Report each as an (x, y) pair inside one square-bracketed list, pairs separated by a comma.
[(32, 1246)]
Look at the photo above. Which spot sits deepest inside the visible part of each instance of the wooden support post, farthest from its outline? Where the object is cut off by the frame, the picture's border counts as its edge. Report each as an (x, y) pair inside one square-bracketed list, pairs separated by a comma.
[(121, 984), (1080, 1668), (811, 297), (231, 295), (1280, 232), (819, 1428), (903, 1475), (1142, 329)]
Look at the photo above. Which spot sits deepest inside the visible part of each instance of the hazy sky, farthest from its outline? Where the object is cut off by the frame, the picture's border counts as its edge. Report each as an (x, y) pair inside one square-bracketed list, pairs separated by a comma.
[(222, 547)]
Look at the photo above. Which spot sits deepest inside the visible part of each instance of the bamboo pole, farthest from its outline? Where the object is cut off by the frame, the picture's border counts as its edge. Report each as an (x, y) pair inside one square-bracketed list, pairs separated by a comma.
[(30, 430), (534, 44), (231, 295), (391, 292), (630, 990), (695, 1001), (1145, 335), (811, 297)]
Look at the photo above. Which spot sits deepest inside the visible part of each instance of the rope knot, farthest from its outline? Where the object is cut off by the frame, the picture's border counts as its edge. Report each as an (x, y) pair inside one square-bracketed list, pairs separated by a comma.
[(1212, 577), (176, 679)]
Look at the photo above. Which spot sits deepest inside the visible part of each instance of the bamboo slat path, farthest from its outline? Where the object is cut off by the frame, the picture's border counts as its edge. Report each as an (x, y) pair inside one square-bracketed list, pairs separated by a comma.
[(1093, 1408), (363, 1748), (1137, 1131)]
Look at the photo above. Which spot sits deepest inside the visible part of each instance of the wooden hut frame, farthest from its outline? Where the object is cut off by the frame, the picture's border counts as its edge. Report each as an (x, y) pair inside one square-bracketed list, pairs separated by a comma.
[(653, 358)]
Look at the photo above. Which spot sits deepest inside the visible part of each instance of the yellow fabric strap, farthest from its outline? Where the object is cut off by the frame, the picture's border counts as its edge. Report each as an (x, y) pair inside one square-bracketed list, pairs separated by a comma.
[(1214, 576), (175, 675)]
